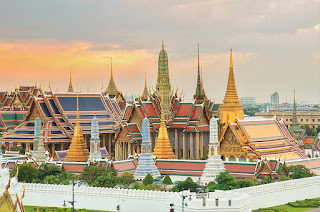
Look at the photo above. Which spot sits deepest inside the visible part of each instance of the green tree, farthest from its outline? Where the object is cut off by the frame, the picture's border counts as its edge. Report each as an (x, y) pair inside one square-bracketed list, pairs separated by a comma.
[(135, 186), (267, 179), (147, 180), (283, 170), (126, 179), (187, 184), (299, 171), (51, 179), (27, 173), (167, 180), (211, 186), (309, 131), (3, 149), (96, 175), (152, 187), (225, 181)]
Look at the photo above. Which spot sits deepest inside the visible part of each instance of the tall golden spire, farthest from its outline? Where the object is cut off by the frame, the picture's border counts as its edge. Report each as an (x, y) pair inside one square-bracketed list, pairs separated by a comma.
[(231, 96), (163, 148), (112, 88), (145, 93), (78, 151), (200, 95), (231, 109), (70, 88)]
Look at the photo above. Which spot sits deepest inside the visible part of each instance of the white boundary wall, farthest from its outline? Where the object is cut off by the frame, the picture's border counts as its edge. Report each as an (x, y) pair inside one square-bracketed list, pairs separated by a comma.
[(153, 201), (97, 198), (279, 193)]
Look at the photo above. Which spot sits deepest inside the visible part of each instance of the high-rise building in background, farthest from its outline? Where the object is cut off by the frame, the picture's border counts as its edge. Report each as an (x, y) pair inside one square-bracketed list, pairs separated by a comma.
[(247, 100), (275, 101)]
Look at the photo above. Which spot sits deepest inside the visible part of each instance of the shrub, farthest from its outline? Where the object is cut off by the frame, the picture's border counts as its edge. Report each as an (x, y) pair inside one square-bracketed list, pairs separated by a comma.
[(167, 180), (126, 179), (187, 184), (225, 181), (27, 173), (147, 180)]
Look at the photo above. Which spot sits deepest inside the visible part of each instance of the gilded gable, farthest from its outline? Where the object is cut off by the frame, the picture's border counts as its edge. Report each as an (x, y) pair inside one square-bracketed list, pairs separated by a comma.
[(230, 146), (135, 118)]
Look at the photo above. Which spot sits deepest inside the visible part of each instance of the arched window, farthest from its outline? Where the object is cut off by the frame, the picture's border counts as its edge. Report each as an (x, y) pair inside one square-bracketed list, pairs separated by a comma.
[(232, 158), (242, 158), (223, 158)]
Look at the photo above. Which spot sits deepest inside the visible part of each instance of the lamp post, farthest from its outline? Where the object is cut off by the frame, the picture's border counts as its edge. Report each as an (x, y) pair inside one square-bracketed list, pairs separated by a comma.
[(183, 198), (71, 202)]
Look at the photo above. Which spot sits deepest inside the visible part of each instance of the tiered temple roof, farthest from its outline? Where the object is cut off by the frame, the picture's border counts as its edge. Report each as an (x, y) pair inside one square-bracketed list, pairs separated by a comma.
[(259, 138), (57, 112), (188, 116)]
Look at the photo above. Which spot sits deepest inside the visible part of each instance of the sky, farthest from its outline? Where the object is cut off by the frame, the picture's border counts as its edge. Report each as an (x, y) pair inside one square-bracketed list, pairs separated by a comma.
[(276, 45)]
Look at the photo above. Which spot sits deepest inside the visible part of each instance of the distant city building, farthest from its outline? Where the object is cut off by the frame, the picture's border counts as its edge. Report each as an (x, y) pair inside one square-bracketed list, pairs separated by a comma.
[(247, 100), (275, 101)]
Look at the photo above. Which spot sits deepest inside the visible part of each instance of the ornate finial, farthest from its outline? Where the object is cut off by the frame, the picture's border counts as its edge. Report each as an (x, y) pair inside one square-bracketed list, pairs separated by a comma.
[(111, 68), (231, 64), (70, 75), (78, 117), (198, 60), (162, 46), (145, 79)]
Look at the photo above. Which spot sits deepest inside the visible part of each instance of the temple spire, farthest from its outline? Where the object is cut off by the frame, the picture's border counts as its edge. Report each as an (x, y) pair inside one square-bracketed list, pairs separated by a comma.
[(70, 88), (231, 109), (294, 115), (231, 96), (163, 149), (112, 88), (200, 95), (78, 151), (145, 93)]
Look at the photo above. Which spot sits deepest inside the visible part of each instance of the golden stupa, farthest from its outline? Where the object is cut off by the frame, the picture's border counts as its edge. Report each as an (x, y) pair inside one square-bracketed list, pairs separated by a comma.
[(78, 151), (163, 148), (231, 109)]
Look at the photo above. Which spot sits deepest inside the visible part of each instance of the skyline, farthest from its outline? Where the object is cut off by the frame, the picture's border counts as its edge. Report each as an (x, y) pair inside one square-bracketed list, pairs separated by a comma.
[(275, 47)]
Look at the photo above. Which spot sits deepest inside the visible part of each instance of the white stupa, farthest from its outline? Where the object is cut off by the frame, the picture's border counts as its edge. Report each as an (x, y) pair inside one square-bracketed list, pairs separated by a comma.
[(214, 165), (95, 153), (146, 164)]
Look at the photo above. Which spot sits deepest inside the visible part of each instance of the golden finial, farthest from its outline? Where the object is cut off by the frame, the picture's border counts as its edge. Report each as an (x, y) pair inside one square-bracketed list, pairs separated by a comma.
[(111, 69), (162, 46), (231, 64), (70, 75), (145, 79), (78, 117)]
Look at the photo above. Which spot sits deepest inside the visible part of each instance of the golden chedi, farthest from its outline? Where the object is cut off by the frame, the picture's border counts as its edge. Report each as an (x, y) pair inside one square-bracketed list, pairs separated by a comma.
[(231, 109), (163, 148), (78, 151)]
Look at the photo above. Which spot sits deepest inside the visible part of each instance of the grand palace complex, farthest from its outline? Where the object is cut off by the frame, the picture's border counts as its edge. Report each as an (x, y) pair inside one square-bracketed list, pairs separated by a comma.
[(178, 129)]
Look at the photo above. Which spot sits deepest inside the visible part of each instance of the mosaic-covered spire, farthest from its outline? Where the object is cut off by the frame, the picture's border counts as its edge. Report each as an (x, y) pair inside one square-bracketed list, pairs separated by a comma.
[(95, 153), (163, 82), (146, 164), (214, 165)]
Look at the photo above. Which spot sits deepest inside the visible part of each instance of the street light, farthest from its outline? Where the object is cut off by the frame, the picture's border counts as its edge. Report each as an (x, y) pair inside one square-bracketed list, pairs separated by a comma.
[(183, 198), (71, 202)]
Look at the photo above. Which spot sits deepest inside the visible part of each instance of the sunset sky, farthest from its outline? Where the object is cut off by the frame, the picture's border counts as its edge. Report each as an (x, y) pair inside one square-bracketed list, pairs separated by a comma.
[(276, 45)]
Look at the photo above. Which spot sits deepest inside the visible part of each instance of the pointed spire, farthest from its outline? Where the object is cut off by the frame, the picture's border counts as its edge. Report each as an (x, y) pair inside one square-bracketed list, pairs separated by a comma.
[(200, 95), (162, 46), (78, 151), (111, 69), (163, 149), (294, 115), (145, 93), (112, 88), (231, 96), (70, 88)]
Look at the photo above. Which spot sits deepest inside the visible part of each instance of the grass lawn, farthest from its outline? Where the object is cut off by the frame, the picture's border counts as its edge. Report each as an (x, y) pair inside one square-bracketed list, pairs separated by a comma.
[(308, 203), (52, 209)]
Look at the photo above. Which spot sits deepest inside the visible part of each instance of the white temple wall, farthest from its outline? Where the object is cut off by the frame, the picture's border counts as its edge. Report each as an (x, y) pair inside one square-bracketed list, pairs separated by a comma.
[(279, 193), (138, 200)]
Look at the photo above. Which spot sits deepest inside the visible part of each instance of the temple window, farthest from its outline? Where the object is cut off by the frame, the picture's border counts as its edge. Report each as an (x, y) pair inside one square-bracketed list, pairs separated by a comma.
[(286, 119), (232, 158)]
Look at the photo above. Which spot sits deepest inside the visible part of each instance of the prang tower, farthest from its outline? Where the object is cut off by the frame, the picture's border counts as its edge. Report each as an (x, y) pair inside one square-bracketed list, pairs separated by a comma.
[(163, 82)]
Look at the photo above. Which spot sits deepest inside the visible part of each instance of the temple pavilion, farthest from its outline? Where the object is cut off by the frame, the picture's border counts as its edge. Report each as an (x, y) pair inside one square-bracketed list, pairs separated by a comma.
[(57, 112), (253, 138), (187, 123)]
